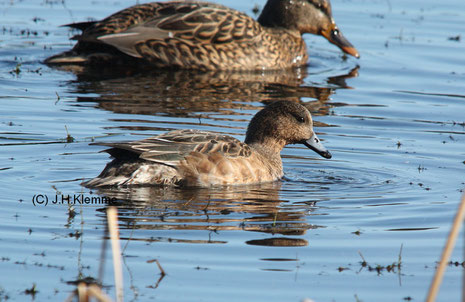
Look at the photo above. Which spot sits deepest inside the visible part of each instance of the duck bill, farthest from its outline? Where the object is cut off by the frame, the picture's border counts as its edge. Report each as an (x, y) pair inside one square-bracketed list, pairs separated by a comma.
[(315, 144), (334, 36)]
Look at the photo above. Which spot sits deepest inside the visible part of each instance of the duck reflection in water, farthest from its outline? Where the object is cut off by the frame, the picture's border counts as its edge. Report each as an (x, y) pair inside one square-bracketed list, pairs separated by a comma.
[(252, 208), (201, 94)]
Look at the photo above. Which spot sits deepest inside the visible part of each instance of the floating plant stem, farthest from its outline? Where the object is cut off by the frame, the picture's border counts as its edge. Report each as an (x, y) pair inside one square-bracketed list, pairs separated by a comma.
[(116, 251), (447, 251)]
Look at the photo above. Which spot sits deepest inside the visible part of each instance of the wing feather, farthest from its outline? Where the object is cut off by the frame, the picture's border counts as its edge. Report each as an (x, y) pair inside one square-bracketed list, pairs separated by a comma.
[(157, 29), (172, 147)]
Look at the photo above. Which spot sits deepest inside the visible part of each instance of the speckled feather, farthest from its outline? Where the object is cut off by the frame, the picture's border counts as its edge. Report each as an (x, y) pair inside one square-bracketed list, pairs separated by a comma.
[(169, 148), (178, 157)]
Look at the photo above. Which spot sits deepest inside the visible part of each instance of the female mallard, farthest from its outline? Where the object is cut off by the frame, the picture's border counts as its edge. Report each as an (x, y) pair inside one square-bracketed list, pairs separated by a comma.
[(206, 36), (201, 158)]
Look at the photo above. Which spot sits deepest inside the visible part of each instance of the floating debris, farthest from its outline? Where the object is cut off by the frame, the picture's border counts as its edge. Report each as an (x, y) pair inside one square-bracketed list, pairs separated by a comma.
[(455, 38)]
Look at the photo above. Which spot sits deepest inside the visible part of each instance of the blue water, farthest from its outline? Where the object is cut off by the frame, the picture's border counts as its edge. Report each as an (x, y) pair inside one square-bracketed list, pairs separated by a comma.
[(394, 121)]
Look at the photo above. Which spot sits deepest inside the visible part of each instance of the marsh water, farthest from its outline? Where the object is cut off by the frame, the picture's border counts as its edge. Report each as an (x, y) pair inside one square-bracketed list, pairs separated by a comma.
[(367, 225)]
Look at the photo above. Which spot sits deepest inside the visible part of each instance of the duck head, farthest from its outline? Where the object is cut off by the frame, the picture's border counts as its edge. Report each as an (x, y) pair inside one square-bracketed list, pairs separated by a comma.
[(282, 123), (306, 16)]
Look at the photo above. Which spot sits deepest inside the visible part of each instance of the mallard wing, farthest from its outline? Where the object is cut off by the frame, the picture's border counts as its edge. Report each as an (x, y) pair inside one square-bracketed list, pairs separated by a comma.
[(141, 30), (172, 147)]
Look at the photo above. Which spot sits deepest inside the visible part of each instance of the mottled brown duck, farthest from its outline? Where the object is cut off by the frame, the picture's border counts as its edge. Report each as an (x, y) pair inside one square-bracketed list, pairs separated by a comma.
[(203, 159), (205, 36)]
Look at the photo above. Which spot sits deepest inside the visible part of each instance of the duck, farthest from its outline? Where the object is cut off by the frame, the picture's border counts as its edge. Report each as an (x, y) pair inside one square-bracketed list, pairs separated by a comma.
[(198, 158), (204, 36)]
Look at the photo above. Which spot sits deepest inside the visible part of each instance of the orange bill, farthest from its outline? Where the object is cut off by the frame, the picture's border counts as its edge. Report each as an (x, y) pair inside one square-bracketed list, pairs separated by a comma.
[(337, 38)]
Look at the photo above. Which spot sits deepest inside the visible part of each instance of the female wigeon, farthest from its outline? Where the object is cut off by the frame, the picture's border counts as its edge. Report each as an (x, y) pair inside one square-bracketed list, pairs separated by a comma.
[(202, 158), (206, 36)]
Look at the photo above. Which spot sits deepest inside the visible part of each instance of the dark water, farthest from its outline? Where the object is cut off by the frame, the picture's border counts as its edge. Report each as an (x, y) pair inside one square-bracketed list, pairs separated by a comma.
[(394, 121)]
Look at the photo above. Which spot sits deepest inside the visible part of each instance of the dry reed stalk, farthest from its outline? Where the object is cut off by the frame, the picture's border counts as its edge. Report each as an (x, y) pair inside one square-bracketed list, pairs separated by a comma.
[(112, 217), (82, 292), (95, 291), (447, 251), (160, 268), (162, 271), (85, 292)]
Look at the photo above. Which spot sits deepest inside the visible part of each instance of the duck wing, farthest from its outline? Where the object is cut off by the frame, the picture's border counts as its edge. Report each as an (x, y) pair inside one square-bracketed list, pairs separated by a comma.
[(172, 147), (172, 32)]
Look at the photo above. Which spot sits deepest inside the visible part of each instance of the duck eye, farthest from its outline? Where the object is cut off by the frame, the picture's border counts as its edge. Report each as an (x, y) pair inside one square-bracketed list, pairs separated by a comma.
[(299, 119)]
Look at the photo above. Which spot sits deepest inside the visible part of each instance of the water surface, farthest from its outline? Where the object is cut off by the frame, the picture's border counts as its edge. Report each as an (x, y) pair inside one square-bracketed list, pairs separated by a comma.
[(394, 121)]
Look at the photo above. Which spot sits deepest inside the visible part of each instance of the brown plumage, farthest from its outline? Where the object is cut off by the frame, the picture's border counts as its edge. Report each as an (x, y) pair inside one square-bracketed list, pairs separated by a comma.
[(201, 158), (205, 36)]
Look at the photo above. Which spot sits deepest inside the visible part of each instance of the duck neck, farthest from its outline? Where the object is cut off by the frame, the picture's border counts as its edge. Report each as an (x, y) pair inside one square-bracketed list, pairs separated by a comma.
[(269, 148), (278, 26), (268, 16), (274, 15)]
